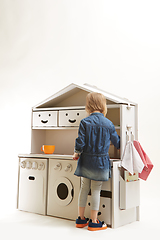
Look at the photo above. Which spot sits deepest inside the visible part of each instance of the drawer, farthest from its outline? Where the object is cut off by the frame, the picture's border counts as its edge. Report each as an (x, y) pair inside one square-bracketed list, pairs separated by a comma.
[(45, 119), (71, 118), (129, 194)]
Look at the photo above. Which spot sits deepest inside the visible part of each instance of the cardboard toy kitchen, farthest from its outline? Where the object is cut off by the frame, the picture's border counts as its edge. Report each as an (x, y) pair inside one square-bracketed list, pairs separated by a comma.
[(46, 182)]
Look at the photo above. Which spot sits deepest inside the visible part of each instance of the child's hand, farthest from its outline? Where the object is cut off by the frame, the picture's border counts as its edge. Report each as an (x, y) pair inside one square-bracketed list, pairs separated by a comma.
[(75, 156)]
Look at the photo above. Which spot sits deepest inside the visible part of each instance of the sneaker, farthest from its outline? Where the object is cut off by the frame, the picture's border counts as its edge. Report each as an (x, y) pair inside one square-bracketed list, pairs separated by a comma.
[(96, 226), (81, 223)]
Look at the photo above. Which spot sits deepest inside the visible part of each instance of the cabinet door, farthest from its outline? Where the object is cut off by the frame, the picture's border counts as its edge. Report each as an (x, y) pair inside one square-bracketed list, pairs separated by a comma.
[(127, 118), (32, 185)]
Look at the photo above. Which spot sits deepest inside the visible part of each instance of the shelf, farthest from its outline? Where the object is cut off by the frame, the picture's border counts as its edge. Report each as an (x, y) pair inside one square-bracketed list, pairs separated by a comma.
[(71, 108), (58, 108), (109, 106), (43, 155), (54, 128), (61, 128), (54, 156)]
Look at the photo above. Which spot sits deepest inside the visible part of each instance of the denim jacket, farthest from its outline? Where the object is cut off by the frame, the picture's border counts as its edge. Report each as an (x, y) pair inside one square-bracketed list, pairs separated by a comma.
[(94, 136)]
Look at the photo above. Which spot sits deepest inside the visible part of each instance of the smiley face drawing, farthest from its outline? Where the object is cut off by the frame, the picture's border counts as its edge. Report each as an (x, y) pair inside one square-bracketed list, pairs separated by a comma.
[(71, 118), (45, 119)]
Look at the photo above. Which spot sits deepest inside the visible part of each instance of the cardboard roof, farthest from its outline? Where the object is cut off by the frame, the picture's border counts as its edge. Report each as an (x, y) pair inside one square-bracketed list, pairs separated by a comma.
[(75, 95)]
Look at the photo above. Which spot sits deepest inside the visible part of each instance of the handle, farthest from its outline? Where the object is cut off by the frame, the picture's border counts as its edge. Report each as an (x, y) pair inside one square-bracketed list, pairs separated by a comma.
[(41, 149), (129, 127), (129, 133), (31, 178)]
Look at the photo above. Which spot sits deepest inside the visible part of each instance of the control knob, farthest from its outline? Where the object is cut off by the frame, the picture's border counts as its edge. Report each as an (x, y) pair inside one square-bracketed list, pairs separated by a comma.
[(41, 166), (68, 168), (34, 165), (28, 165), (58, 166), (22, 164)]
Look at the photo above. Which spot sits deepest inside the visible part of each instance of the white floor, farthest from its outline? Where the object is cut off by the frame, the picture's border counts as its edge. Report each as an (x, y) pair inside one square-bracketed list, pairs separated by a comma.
[(23, 225)]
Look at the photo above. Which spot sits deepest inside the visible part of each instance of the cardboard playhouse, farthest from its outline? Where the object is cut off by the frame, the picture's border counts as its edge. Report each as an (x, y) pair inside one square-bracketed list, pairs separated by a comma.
[(47, 184)]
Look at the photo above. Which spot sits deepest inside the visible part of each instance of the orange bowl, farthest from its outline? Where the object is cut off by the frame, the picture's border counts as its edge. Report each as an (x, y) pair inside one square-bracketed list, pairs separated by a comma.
[(48, 149)]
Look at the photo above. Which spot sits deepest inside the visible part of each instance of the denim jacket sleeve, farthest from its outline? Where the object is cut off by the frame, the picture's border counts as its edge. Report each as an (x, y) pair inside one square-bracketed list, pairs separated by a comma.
[(80, 141), (115, 139)]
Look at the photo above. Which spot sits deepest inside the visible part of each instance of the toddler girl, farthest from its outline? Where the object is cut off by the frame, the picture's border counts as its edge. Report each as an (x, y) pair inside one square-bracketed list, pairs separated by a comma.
[(91, 150)]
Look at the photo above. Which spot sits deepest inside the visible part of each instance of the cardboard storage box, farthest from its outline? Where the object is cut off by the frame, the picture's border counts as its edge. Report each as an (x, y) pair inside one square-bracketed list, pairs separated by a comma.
[(45, 119), (71, 118)]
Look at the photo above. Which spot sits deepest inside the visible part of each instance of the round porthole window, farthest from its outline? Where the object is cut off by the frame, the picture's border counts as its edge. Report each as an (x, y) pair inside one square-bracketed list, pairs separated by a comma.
[(64, 192)]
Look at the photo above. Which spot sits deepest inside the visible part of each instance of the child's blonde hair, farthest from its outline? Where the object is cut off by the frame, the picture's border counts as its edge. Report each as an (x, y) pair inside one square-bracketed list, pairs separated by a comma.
[(96, 102)]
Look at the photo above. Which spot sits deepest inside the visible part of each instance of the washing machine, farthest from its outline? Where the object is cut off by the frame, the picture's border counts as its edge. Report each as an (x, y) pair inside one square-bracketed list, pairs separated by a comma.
[(32, 189), (63, 189), (105, 208)]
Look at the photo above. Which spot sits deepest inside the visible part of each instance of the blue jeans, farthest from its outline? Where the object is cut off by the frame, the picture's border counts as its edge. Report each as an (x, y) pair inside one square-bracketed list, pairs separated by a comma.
[(86, 185)]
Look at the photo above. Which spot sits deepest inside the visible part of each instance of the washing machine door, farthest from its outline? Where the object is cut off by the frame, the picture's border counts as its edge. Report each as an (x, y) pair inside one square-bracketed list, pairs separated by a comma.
[(63, 191)]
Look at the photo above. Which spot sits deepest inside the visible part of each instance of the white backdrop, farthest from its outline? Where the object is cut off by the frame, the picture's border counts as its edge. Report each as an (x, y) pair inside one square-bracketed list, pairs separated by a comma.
[(47, 44)]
